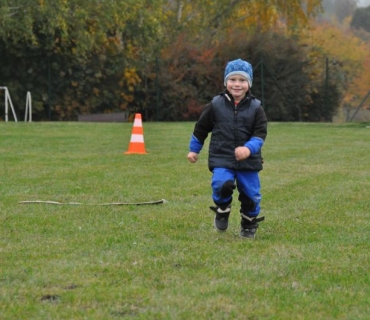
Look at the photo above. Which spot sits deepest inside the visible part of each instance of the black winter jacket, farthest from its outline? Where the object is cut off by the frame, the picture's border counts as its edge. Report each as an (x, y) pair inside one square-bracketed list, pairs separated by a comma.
[(232, 126)]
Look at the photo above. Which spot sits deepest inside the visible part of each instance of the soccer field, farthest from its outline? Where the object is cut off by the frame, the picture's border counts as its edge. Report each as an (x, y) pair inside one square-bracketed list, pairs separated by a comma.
[(83, 260)]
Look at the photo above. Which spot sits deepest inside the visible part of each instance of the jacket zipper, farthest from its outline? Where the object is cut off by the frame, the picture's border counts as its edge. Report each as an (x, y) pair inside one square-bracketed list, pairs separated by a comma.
[(235, 127)]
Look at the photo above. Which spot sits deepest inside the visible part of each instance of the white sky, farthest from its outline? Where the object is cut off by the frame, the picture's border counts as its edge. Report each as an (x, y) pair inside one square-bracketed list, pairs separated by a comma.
[(363, 3)]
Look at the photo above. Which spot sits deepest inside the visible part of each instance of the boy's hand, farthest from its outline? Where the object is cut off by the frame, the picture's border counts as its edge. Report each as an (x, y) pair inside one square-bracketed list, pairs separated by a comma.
[(192, 157), (242, 153)]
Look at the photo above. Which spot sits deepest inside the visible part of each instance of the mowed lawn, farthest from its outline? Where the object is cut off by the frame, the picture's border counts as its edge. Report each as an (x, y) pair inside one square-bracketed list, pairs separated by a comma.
[(310, 258)]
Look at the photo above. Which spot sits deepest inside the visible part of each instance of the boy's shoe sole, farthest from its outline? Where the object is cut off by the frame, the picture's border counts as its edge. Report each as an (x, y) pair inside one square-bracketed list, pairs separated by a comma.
[(248, 233), (249, 226)]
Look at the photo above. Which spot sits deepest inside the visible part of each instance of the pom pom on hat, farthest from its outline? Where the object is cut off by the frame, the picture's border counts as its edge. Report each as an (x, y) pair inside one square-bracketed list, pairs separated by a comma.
[(241, 68)]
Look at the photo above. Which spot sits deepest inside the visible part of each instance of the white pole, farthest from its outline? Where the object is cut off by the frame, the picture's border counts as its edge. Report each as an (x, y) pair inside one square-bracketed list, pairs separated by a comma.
[(26, 111), (8, 100), (28, 107), (11, 105), (6, 104)]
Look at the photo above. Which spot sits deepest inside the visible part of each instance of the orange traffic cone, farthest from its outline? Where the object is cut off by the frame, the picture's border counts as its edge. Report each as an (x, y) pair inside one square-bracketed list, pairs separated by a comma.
[(137, 137)]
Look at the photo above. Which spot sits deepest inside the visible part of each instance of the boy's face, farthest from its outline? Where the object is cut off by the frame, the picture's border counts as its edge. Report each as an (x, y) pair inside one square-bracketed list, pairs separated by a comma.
[(237, 86)]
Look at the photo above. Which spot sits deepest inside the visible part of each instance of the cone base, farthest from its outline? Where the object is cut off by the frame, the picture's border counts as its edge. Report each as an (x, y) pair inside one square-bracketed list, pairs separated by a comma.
[(136, 147), (135, 152)]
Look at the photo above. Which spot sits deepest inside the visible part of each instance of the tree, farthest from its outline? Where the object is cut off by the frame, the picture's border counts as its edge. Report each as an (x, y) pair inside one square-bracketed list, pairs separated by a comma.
[(190, 64), (361, 19), (76, 55), (213, 18), (93, 55), (191, 76), (282, 74), (344, 8), (337, 10), (188, 78), (347, 55)]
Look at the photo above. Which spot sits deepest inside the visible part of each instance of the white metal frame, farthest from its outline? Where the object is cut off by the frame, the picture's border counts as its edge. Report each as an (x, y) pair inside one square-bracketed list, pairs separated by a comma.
[(28, 112), (8, 101)]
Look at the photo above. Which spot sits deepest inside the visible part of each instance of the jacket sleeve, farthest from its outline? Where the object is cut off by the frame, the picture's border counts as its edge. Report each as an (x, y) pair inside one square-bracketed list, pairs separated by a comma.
[(195, 145), (204, 124), (202, 128), (255, 143)]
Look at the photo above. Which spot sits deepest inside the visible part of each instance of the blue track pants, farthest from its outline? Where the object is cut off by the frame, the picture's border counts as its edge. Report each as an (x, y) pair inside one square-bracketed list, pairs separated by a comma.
[(248, 186)]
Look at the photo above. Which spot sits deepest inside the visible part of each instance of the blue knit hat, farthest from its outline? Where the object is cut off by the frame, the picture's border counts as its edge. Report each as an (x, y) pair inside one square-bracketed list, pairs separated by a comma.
[(241, 68)]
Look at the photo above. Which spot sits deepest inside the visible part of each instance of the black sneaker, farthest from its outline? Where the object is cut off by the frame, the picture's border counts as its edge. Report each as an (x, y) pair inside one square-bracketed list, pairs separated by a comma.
[(249, 226), (222, 217)]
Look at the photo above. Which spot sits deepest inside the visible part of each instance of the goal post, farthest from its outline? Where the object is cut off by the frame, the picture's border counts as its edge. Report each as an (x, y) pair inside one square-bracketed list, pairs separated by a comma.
[(8, 102), (28, 112)]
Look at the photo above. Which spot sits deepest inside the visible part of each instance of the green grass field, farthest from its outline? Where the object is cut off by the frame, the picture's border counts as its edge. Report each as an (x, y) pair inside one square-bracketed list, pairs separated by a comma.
[(310, 258)]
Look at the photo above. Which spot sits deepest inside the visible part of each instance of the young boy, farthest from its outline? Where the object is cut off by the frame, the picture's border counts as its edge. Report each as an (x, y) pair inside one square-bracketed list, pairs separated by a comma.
[(239, 128)]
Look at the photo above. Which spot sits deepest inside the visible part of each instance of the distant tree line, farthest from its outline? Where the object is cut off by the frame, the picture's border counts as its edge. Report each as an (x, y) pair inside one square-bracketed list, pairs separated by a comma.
[(162, 58)]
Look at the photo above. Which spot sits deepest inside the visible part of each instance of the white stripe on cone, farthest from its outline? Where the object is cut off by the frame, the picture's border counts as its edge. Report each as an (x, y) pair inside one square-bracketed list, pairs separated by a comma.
[(137, 138), (137, 122)]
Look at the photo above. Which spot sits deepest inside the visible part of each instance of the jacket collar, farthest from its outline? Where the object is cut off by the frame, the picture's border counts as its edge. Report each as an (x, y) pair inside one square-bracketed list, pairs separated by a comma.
[(247, 97)]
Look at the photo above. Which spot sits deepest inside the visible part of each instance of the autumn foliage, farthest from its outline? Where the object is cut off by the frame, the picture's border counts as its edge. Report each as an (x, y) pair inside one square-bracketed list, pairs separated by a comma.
[(166, 59)]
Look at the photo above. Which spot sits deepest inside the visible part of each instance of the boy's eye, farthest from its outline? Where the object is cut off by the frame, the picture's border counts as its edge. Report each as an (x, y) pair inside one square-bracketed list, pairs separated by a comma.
[(240, 80)]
